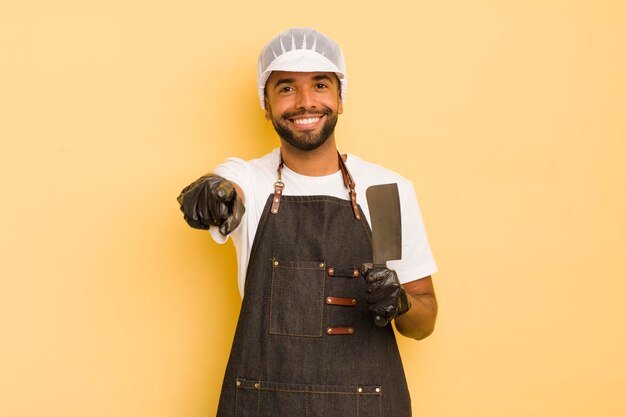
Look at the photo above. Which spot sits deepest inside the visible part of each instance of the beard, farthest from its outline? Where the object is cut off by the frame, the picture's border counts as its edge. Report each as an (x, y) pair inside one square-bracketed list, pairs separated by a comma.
[(307, 140)]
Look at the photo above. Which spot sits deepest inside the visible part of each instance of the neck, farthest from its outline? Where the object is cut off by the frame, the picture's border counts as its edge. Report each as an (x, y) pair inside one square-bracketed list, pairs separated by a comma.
[(315, 163)]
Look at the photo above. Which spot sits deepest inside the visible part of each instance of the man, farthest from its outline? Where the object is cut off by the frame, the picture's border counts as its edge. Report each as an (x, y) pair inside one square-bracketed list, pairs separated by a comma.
[(313, 337)]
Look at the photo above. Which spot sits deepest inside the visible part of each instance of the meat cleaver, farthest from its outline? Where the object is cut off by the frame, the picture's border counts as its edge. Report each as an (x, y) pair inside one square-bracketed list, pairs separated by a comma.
[(383, 202)]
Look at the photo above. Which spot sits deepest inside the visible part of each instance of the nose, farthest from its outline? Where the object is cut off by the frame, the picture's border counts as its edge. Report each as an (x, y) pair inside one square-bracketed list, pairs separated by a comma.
[(305, 99)]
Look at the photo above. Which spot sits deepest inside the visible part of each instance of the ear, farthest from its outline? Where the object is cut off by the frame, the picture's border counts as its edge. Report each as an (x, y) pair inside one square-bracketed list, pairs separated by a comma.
[(268, 115), (339, 100), (339, 103)]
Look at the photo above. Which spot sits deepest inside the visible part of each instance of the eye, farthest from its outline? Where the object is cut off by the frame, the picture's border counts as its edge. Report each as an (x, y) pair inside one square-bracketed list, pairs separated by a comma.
[(321, 86), (285, 89)]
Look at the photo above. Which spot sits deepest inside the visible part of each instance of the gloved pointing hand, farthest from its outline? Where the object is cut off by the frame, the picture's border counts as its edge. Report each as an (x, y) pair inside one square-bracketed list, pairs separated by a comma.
[(384, 294), (211, 201)]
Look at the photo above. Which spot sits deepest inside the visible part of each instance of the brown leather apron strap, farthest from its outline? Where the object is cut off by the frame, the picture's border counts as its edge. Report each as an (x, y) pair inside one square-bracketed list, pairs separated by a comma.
[(347, 180), (278, 188), (278, 192), (350, 185)]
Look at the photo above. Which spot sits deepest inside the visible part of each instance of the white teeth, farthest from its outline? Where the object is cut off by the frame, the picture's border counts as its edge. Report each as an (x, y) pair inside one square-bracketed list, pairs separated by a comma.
[(306, 121)]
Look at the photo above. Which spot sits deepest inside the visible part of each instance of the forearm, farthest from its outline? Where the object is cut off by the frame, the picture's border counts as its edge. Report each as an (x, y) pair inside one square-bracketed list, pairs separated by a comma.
[(419, 321)]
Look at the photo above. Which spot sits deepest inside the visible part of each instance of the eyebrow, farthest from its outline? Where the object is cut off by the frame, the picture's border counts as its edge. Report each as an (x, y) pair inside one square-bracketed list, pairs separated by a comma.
[(319, 77), (322, 77), (283, 81)]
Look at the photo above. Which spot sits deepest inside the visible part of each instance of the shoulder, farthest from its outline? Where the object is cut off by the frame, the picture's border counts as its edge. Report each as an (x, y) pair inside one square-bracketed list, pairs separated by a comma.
[(255, 177), (367, 173), (265, 164), (251, 174)]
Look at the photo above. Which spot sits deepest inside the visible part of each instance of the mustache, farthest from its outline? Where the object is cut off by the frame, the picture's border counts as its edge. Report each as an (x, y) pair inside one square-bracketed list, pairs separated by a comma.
[(321, 112)]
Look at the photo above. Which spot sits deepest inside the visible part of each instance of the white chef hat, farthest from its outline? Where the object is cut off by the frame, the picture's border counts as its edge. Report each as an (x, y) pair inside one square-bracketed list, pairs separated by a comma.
[(301, 50)]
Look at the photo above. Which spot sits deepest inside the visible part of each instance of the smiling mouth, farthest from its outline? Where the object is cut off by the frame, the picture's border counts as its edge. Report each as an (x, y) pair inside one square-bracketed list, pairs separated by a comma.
[(306, 121)]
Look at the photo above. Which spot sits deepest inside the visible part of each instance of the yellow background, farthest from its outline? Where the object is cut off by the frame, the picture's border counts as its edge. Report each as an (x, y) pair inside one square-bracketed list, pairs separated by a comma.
[(508, 116)]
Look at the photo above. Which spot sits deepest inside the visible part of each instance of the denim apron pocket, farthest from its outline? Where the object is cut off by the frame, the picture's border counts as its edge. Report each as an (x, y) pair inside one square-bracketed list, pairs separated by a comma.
[(272, 399), (297, 298)]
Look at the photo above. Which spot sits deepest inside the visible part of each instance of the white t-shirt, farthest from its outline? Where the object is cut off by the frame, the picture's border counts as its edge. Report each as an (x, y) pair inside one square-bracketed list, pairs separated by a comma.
[(256, 179)]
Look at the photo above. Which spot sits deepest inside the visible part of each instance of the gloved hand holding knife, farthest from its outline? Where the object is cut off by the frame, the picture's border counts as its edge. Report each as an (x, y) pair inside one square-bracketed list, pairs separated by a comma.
[(383, 291), (384, 294)]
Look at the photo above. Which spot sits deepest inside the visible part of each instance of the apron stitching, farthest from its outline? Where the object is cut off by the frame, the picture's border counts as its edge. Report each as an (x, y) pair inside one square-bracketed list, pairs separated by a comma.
[(236, 401), (323, 295), (317, 200), (307, 390), (298, 268), (271, 297), (296, 335), (258, 403)]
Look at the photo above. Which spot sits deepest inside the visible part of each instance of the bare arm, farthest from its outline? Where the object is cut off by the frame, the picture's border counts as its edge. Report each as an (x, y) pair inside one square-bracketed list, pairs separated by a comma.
[(419, 321)]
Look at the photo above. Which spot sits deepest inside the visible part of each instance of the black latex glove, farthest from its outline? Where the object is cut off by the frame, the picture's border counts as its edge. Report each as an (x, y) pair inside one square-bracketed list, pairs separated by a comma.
[(211, 201), (384, 294)]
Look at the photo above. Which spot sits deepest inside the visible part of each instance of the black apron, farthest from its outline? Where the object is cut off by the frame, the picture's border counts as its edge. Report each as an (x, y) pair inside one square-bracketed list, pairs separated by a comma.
[(306, 345)]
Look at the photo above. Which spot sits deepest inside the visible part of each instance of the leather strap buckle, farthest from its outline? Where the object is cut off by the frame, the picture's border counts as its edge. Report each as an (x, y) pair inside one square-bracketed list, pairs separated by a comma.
[(278, 193)]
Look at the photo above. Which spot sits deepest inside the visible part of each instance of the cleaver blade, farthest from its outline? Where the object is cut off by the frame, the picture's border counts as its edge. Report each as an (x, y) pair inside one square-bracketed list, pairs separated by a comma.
[(383, 202)]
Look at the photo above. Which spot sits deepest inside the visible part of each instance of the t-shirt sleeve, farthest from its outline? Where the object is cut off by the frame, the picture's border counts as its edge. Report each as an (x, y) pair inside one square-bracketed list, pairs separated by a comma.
[(417, 259), (235, 170)]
